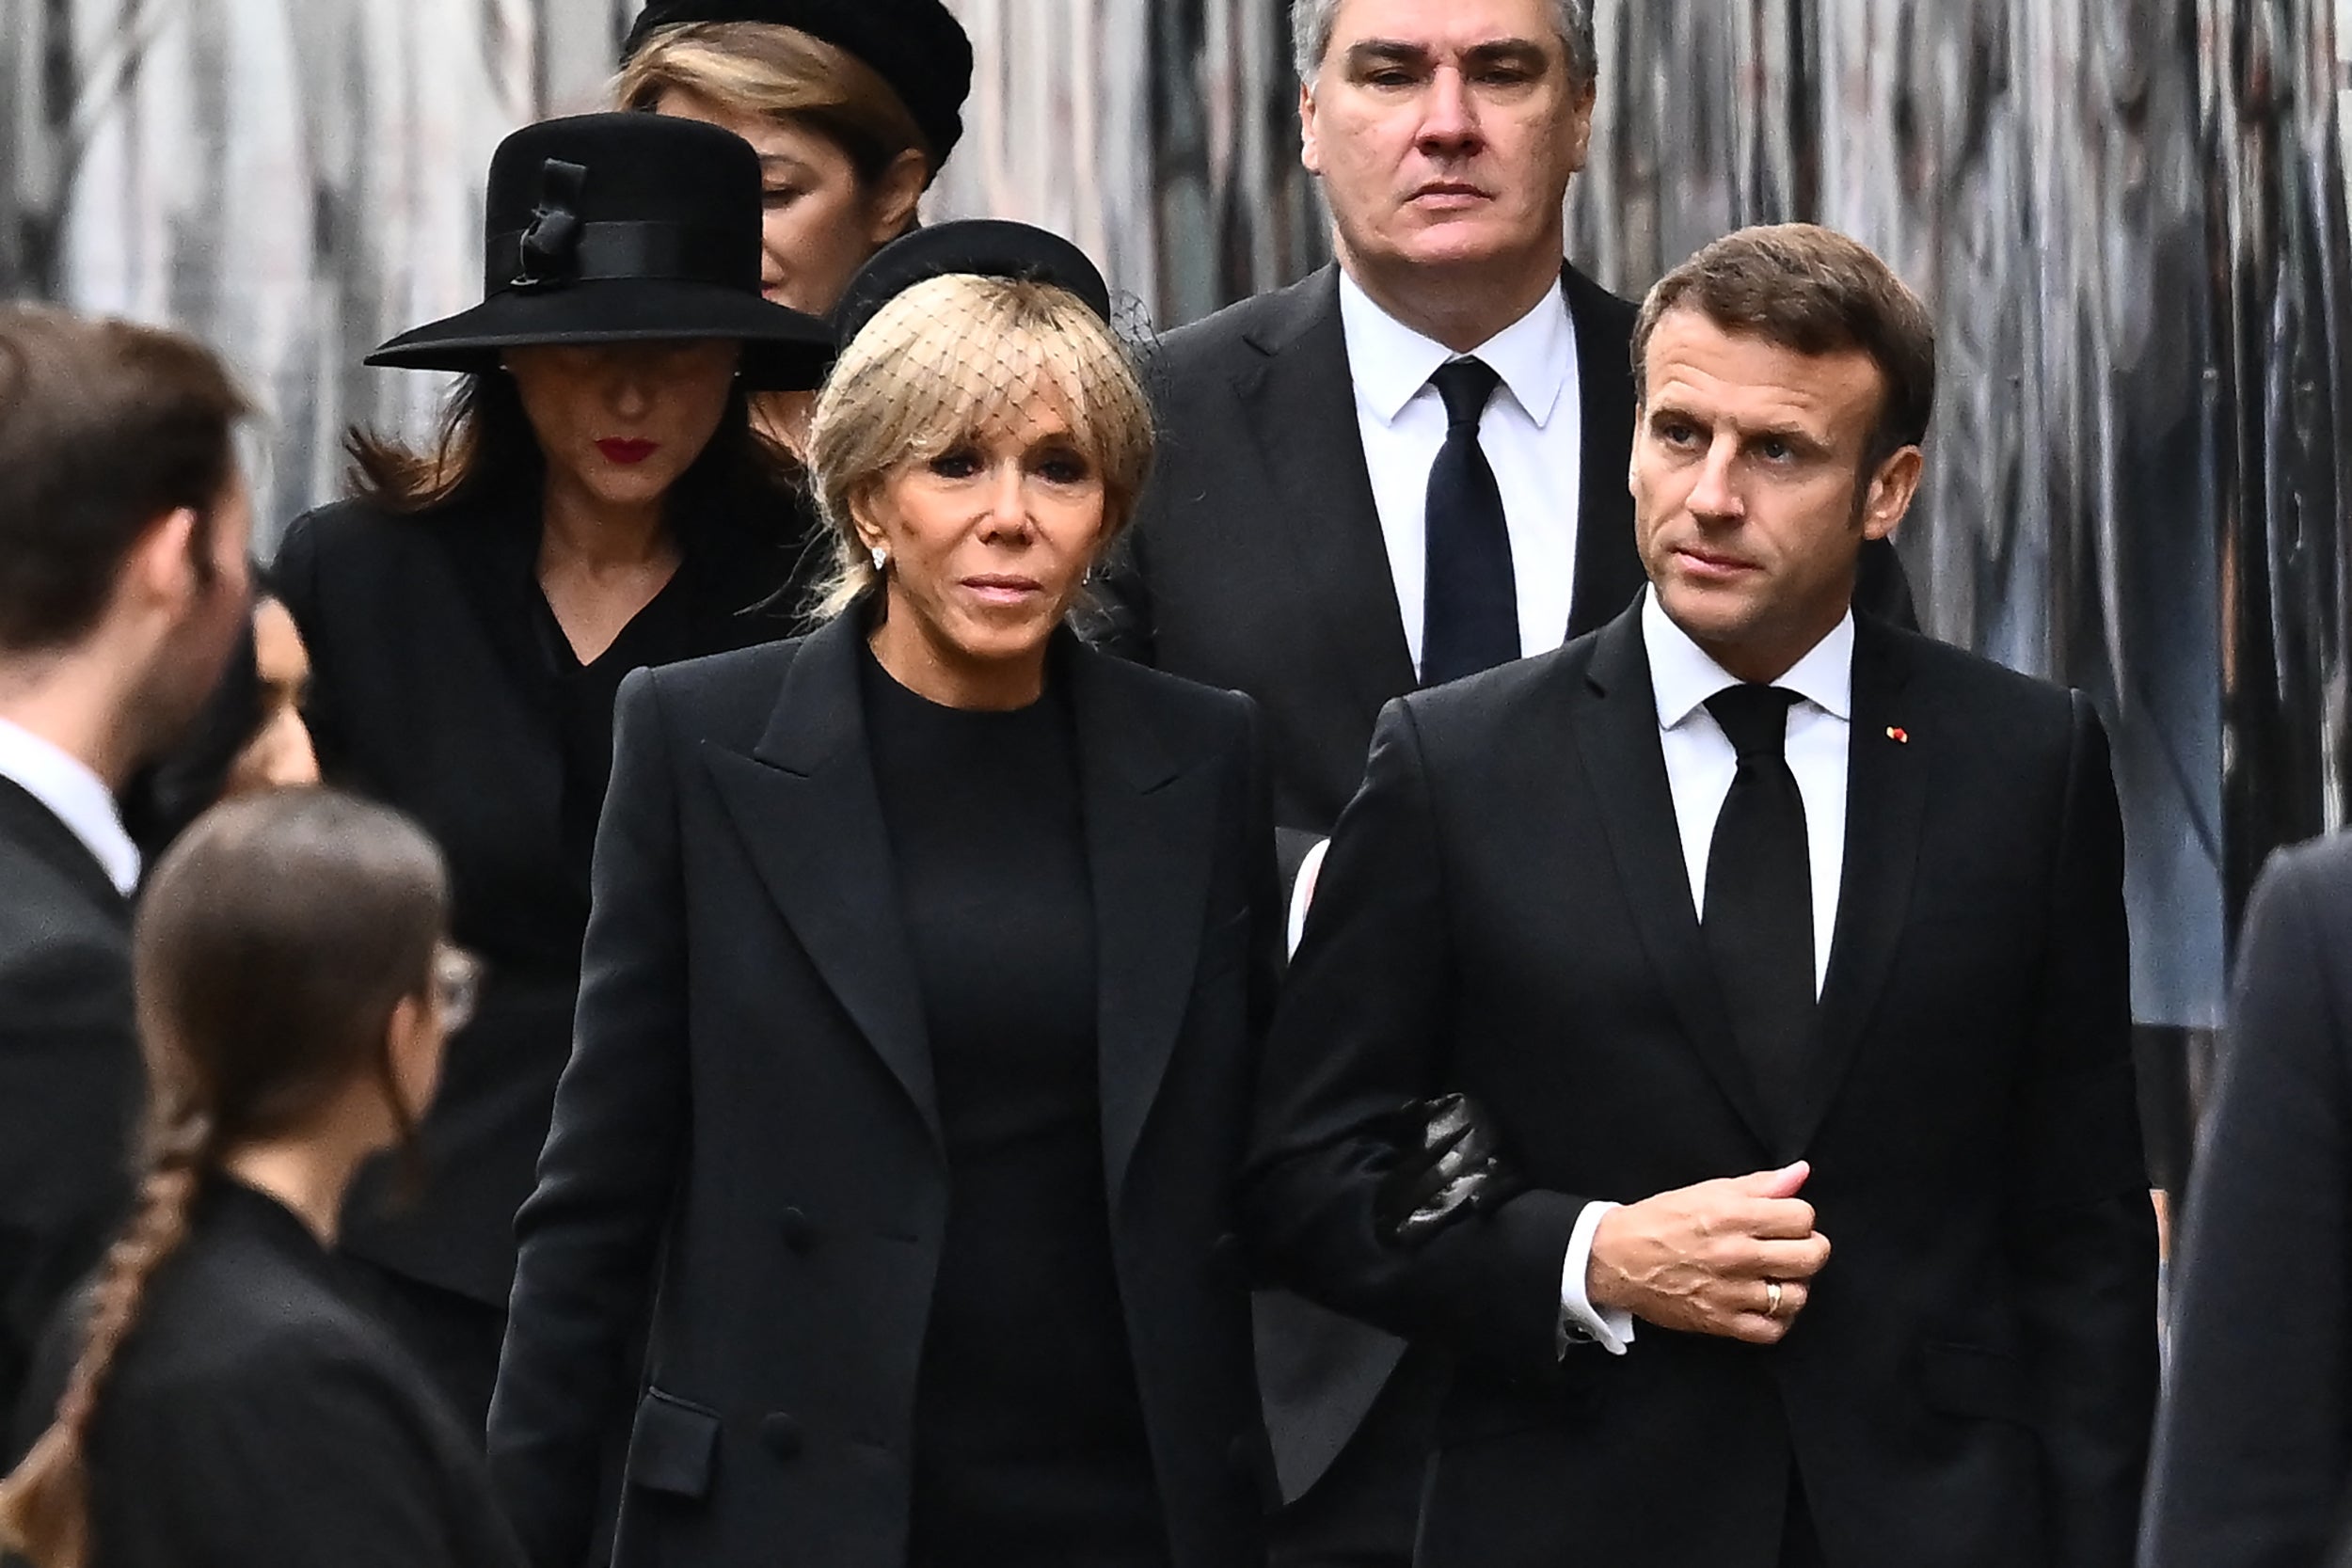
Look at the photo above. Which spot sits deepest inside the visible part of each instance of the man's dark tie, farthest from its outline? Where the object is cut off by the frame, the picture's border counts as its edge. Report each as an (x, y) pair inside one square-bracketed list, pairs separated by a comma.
[(1471, 608), (1759, 902)]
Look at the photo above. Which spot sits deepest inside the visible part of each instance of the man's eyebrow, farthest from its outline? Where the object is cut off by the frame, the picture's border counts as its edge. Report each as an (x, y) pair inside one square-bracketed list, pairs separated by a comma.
[(1379, 51), (1519, 52)]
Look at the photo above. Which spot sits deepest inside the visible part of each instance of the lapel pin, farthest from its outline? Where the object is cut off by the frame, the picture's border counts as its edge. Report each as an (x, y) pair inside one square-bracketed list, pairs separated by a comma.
[(1899, 736)]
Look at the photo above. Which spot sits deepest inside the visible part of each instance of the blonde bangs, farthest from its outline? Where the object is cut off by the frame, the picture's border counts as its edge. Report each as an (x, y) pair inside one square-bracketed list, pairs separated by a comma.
[(777, 72)]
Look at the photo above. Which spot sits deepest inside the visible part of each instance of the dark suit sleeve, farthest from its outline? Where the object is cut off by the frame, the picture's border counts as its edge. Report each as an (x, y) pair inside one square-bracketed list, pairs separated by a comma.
[(2254, 1447), (71, 1084), (1361, 1030), (2082, 1233), (590, 1234), (298, 1465)]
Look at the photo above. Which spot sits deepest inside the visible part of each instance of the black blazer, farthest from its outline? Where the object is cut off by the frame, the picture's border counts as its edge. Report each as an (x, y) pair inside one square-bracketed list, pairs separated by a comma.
[(254, 1418), (430, 692), (1256, 560), (70, 1080), (748, 1134), (1505, 911), (2254, 1446)]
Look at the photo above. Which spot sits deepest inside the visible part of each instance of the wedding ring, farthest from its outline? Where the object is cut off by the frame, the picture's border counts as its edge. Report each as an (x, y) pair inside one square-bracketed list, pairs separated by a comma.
[(1771, 1298)]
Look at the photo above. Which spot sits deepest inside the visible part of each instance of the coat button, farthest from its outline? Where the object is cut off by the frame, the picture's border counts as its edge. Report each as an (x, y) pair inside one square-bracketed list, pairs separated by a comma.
[(782, 1435), (798, 1232)]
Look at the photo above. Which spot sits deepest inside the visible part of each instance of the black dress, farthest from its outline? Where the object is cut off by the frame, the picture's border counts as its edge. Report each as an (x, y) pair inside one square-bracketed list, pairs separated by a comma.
[(254, 1417), (1029, 1444), (442, 685)]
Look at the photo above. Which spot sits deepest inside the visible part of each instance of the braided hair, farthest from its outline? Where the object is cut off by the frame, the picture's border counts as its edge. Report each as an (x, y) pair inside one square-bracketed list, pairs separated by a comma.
[(272, 948)]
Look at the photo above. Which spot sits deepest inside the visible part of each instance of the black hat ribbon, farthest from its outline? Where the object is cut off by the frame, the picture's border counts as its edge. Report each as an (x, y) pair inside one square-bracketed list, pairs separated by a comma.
[(550, 247)]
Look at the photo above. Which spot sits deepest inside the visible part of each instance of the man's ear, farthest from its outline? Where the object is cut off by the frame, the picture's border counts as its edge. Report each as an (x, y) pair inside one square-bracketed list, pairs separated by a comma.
[(1310, 145), (1891, 491), (164, 567), (1580, 126)]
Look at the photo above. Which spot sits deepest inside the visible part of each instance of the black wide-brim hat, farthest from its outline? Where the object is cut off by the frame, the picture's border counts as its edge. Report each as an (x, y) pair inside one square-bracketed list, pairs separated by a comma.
[(917, 46), (984, 248), (623, 228)]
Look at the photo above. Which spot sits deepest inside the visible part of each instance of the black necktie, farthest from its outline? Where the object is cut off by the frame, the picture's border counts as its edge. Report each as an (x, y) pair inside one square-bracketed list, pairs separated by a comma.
[(1471, 606), (1760, 901)]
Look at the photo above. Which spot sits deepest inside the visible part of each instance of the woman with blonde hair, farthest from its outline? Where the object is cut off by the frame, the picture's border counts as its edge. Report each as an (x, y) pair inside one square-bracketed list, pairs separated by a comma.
[(923, 987), (852, 106), (211, 1398)]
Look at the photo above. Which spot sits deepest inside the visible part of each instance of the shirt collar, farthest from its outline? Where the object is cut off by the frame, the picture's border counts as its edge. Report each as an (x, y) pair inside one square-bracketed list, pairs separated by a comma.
[(76, 796), (1683, 676), (1390, 361)]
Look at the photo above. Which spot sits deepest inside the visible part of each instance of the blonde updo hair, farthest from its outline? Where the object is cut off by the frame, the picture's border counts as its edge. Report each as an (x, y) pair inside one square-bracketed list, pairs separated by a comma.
[(950, 360), (764, 68)]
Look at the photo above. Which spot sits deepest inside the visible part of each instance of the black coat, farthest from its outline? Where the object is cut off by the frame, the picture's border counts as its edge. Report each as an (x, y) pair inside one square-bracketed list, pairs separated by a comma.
[(1257, 563), (748, 1133), (70, 1080), (431, 692), (254, 1418), (1505, 911), (2254, 1447)]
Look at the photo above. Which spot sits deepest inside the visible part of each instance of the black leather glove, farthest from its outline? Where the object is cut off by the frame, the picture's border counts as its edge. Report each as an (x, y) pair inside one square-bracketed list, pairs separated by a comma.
[(1448, 1165)]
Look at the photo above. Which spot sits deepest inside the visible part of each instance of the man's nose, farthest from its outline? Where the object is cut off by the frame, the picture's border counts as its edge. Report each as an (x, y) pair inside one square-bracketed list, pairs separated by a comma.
[(1714, 495), (1449, 117)]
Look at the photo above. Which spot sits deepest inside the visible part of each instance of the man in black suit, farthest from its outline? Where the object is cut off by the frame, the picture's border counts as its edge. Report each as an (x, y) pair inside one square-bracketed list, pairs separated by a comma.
[(1324, 535), (123, 590), (2253, 1461), (1756, 926)]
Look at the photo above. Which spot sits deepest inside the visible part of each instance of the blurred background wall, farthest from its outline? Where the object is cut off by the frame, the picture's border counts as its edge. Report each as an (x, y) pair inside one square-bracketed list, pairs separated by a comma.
[(2129, 216)]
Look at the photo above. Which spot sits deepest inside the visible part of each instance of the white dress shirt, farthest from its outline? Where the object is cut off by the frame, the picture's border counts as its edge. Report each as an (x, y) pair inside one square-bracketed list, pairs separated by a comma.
[(1700, 763), (1533, 433), (77, 797)]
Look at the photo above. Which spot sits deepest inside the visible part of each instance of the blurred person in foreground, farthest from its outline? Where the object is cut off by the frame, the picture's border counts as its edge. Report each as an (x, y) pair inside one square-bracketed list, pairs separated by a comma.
[(600, 503), (1787, 950), (210, 1400), (1402, 470), (2253, 1465), (919, 1021), (124, 522), (852, 108)]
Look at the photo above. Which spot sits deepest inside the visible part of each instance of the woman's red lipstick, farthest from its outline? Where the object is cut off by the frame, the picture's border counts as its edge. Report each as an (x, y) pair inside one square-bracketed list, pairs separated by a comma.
[(618, 450)]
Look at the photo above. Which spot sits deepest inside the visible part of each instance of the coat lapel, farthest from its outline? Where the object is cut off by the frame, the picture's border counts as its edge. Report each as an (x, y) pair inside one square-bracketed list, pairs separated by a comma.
[(810, 814), (1151, 836), (1616, 727), (1301, 404), (1608, 561), (1886, 793)]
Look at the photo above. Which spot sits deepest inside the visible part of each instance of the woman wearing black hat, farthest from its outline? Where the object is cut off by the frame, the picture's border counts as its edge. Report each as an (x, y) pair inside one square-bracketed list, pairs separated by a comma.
[(919, 1020), (600, 503), (853, 105)]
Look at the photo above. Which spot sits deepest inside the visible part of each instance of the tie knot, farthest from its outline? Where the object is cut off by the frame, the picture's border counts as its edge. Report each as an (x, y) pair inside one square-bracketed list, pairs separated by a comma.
[(1755, 717), (1465, 385)]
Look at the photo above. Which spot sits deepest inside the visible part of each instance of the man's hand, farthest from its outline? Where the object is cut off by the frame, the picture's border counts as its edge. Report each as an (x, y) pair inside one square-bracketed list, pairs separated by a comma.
[(1705, 1259)]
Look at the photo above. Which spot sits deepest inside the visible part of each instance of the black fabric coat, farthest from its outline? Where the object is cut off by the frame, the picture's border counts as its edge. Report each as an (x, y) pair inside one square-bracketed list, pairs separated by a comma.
[(2254, 1448), (256, 1420), (1257, 563), (748, 1133), (70, 1078), (429, 693), (1505, 911)]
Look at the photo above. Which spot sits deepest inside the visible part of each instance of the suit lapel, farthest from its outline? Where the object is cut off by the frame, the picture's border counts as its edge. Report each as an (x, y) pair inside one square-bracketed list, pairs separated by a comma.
[(1617, 729), (1151, 827), (810, 814), (1886, 793), (1608, 561), (45, 836), (1301, 407)]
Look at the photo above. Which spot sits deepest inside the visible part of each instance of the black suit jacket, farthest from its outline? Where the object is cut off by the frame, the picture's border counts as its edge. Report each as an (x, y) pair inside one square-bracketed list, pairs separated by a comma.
[(748, 1132), (254, 1417), (2254, 1447), (1505, 911), (70, 1079), (431, 692)]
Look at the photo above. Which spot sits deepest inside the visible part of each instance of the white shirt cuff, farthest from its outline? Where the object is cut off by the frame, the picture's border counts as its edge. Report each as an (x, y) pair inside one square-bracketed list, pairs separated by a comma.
[(1303, 891), (1580, 1322)]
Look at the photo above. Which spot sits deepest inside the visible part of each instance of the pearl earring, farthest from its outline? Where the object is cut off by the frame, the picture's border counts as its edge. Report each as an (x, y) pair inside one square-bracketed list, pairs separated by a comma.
[(882, 558)]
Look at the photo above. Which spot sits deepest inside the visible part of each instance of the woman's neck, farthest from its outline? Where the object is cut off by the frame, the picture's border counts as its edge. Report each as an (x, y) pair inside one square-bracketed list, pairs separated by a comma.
[(310, 1175), (940, 673), (578, 529)]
